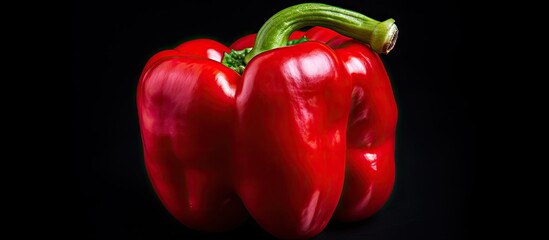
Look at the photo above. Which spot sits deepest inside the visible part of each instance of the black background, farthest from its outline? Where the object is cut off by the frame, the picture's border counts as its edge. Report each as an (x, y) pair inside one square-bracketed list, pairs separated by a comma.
[(435, 156)]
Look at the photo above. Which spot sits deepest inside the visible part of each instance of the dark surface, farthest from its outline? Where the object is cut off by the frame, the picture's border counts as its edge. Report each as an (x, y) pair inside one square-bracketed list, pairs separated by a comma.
[(433, 196)]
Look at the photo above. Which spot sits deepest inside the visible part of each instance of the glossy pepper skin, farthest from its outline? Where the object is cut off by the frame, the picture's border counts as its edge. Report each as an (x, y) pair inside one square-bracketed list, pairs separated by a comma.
[(186, 104), (370, 134), (306, 132), (292, 118)]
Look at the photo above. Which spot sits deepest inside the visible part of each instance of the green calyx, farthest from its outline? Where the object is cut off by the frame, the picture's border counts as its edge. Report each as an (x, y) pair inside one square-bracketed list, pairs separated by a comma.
[(296, 41), (235, 58)]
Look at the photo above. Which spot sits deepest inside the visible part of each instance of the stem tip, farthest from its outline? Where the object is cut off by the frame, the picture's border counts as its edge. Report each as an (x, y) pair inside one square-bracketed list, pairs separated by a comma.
[(384, 37)]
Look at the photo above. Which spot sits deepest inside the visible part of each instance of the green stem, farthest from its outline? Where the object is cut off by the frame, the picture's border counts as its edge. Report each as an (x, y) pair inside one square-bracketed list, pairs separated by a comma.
[(275, 32)]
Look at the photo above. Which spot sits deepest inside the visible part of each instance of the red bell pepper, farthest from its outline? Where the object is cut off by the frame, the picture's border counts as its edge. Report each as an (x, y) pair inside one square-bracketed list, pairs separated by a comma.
[(304, 133)]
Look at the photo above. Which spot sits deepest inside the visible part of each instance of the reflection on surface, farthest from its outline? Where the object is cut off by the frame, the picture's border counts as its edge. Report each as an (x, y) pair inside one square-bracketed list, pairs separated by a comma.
[(372, 158)]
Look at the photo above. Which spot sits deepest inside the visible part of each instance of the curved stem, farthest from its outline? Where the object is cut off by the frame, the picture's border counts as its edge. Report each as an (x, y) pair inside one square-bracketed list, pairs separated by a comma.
[(275, 32)]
